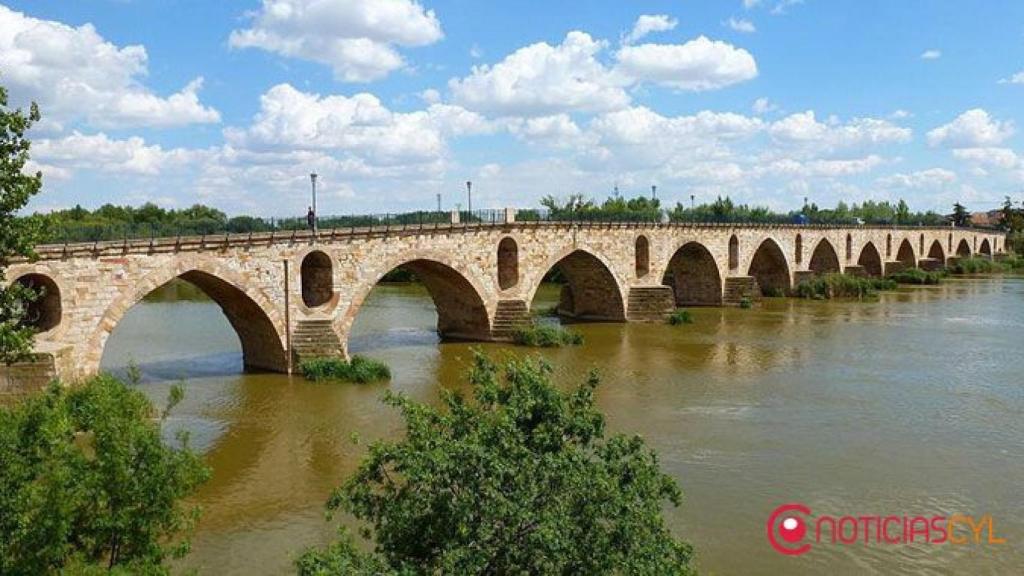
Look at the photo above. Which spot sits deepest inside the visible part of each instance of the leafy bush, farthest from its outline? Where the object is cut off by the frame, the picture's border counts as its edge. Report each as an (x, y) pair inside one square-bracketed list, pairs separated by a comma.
[(836, 285), (546, 336), (974, 265), (773, 292), (519, 479), (680, 316), (917, 276), (746, 303), (87, 484), (360, 369)]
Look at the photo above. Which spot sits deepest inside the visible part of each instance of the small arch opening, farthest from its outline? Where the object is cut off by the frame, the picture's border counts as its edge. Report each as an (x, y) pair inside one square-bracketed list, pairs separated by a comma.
[(949, 243), (799, 248), (734, 253), (693, 276), (317, 279), (769, 268), (508, 263), (43, 313), (643, 256), (920, 245), (824, 258), (870, 260), (849, 247), (888, 246)]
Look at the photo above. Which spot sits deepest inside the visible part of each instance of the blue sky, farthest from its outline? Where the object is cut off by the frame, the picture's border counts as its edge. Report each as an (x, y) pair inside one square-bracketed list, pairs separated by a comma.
[(392, 101)]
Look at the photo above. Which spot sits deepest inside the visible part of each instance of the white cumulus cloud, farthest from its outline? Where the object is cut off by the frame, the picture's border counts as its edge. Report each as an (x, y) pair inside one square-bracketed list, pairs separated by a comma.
[(929, 179), (647, 24), (931, 55), (973, 128), (700, 64), (357, 38), (1017, 78), (541, 79), (76, 75)]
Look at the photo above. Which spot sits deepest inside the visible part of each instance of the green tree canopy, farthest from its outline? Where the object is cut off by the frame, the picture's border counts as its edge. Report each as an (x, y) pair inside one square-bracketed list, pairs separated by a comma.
[(17, 235), (520, 479), (86, 482)]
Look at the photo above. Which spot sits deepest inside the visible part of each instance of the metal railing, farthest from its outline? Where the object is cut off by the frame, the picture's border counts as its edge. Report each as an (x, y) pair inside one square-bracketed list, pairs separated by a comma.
[(70, 233)]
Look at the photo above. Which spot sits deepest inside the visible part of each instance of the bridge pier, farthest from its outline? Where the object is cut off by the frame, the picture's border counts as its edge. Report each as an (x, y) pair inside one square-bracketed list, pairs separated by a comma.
[(649, 303), (739, 287)]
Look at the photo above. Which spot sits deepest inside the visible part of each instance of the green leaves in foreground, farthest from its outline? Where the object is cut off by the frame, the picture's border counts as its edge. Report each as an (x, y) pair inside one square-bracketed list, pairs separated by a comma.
[(520, 479), (86, 483)]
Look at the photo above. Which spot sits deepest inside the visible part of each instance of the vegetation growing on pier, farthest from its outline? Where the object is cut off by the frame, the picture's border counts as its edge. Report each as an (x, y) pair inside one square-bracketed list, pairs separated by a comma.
[(680, 316), (836, 285), (520, 478), (360, 369), (546, 336), (918, 277)]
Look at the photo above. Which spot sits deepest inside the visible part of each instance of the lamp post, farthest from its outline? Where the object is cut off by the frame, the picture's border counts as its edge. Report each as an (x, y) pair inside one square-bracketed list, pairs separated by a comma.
[(312, 180), (654, 191), (692, 200), (438, 201), (469, 196)]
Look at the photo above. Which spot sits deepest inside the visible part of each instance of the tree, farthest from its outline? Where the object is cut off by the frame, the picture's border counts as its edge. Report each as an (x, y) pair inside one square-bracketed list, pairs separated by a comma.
[(960, 215), (519, 480), (17, 235), (86, 482)]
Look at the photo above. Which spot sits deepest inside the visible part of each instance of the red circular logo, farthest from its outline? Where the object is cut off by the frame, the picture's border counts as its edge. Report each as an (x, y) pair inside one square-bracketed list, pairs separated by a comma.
[(788, 522)]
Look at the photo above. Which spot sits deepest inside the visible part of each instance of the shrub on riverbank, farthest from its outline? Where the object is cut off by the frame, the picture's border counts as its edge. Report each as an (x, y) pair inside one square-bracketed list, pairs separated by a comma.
[(975, 265), (517, 477), (546, 336), (87, 484), (842, 286), (680, 316), (360, 369), (746, 303), (917, 276)]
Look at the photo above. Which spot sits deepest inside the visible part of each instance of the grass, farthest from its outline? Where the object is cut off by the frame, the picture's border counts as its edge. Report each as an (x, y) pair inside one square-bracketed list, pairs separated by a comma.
[(842, 286), (680, 317), (917, 276), (360, 369), (546, 336)]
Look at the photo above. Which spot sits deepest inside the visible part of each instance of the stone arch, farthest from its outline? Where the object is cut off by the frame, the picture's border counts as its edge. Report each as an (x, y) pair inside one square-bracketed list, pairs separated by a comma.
[(692, 273), (824, 258), (905, 254), (734, 253), (849, 247), (508, 263), (936, 252), (769, 267), (985, 248), (963, 249), (888, 246), (45, 313), (642, 255), (870, 260), (591, 291), (799, 249), (255, 319), (461, 310), (317, 278)]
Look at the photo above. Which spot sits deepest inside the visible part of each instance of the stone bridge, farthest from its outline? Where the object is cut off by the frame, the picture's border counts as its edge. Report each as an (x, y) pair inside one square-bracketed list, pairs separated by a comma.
[(291, 295)]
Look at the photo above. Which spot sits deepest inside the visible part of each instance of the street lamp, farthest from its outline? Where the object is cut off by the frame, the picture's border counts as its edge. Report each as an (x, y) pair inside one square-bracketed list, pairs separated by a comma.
[(654, 192), (692, 200), (312, 180), (469, 196)]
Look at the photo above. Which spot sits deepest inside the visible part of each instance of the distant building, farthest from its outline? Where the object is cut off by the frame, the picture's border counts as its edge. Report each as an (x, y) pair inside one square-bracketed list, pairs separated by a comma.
[(991, 218)]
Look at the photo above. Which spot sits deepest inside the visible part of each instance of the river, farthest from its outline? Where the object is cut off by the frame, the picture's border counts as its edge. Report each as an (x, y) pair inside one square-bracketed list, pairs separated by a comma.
[(913, 404)]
